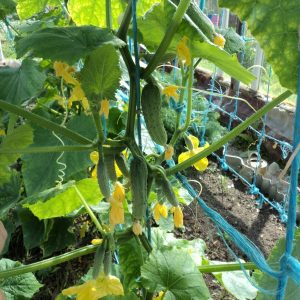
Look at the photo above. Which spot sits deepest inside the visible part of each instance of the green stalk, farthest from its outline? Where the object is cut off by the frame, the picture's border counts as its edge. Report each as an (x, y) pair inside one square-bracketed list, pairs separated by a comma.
[(229, 136), (49, 149), (131, 110), (108, 14), (42, 122), (227, 267), (11, 123), (172, 29), (47, 263), (89, 211), (122, 31), (98, 124)]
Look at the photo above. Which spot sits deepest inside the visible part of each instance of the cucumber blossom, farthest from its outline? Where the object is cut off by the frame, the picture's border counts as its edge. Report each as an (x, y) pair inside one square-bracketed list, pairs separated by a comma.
[(151, 106)]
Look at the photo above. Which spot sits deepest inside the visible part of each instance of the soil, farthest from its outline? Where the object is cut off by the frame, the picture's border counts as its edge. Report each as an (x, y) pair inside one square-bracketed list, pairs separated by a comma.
[(228, 196)]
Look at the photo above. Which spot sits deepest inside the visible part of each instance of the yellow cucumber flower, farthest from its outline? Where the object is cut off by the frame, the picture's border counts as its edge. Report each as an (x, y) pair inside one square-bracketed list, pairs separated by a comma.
[(119, 192), (96, 242), (171, 91), (159, 296), (169, 151), (201, 164), (2, 132), (219, 40), (178, 217), (160, 210), (137, 228), (94, 157), (64, 70), (96, 288), (78, 94), (183, 51), (104, 108)]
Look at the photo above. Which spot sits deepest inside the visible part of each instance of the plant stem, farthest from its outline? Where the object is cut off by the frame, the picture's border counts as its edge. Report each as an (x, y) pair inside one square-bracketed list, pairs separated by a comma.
[(45, 123), (226, 267), (90, 212), (48, 149), (122, 31), (98, 125), (172, 29), (229, 136), (47, 263), (131, 110), (11, 123), (108, 14)]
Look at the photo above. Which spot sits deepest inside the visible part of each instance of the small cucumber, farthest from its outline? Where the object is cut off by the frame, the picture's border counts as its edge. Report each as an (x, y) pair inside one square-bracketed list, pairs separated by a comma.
[(109, 161), (165, 187), (98, 260), (107, 262), (102, 177), (121, 163), (151, 106), (138, 179)]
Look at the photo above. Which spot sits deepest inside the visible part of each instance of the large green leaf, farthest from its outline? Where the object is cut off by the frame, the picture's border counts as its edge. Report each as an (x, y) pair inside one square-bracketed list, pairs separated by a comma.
[(66, 43), (93, 12), (6, 7), (292, 291), (275, 25), (18, 287), (9, 194), (28, 8), (101, 73), (66, 202), (21, 83), (20, 137), (174, 271), (35, 177), (155, 23), (132, 257)]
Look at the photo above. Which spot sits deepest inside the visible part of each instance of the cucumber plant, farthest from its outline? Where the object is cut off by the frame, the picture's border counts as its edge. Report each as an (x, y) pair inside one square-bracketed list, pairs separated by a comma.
[(77, 142)]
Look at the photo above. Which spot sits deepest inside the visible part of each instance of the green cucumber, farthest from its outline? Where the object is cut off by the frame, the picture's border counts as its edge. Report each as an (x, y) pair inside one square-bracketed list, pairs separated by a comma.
[(151, 106), (138, 180), (98, 260), (166, 189), (121, 163), (102, 177), (109, 161)]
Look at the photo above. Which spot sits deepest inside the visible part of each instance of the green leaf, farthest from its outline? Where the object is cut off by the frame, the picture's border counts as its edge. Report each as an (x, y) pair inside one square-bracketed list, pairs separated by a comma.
[(132, 257), (66, 202), (93, 12), (32, 228), (292, 291), (18, 287), (236, 283), (275, 25), (21, 83), (34, 165), (154, 25), (101, 73), (9, 194), (28, 8), (174, 271), (195, 248), (66, 43), (6, 7), (20, 137), (59, 237)]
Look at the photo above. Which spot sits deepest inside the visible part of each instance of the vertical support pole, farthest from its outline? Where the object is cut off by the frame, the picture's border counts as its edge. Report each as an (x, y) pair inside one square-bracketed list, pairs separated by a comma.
[(1, 52), (292, 211), (257, 70), (202, 4)]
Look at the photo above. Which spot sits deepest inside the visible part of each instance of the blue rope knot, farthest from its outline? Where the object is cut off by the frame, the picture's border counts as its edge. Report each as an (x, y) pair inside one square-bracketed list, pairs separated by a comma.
[(179, 108), (253, 190), (224, 164)]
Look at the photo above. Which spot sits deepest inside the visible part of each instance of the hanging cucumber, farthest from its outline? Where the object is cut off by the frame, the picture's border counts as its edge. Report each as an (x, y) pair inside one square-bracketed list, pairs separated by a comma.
[(166, 189), (151, 106), (109, 161), (138, 179), (121, 163), (102, 176), (98, 260)]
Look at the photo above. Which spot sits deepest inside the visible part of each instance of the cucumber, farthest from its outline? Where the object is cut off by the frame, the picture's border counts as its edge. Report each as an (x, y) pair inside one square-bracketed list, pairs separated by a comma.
[(200, 19), (107, 262), (98, 260), (166, 189), (102, 177), (109, 161), (151, 106), (138, 179), (121, 163)]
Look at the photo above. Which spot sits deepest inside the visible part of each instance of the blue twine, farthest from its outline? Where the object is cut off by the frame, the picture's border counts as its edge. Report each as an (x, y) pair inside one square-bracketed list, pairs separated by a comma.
[(289, 265)]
